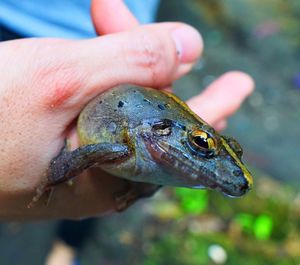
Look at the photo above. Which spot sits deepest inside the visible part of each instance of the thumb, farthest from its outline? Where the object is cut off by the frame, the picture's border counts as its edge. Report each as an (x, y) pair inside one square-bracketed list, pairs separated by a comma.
[(152, 55)]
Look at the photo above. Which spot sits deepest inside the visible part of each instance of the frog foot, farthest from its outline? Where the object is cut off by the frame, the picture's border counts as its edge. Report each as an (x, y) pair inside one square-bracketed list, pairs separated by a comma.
[(40, 191)]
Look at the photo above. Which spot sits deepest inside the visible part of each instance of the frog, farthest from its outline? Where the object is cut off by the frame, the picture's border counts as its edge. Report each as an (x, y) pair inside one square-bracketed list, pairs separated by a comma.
[(150, 138)]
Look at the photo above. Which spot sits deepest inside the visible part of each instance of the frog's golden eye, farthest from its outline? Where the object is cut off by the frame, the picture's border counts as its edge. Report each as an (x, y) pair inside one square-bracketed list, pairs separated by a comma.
[(202, 143)]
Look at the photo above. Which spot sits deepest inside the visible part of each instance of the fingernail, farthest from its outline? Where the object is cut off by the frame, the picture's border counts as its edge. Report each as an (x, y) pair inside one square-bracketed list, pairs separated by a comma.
[(188, 43)]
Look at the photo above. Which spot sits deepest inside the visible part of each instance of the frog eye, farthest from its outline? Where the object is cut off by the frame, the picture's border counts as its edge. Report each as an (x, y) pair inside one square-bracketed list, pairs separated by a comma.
[(162, 128), (202, 143)]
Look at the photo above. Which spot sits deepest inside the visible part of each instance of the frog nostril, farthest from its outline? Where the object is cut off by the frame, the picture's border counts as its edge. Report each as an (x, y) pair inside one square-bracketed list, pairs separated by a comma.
[(245, 186), (237, 172)]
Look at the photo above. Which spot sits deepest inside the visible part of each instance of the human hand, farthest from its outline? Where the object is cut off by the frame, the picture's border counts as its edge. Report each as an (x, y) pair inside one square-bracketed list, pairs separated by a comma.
[(46, 84), (216, 103)]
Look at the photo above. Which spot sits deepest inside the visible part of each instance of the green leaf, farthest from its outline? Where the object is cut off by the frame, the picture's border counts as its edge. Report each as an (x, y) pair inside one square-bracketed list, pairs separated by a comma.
[(192, 201), (263, 227)]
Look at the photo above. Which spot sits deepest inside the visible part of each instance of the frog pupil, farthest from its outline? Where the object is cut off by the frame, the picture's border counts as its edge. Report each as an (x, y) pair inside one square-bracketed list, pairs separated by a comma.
[(201, 142)]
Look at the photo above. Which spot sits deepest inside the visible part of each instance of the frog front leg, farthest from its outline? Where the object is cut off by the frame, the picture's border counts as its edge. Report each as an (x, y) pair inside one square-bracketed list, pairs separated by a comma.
[(68, 164)]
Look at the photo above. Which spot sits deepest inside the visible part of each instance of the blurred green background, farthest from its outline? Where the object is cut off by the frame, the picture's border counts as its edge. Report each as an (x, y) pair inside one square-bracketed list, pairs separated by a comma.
[(181, 226)]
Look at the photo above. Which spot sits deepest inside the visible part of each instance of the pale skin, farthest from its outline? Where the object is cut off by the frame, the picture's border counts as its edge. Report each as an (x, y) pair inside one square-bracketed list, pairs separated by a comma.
[(45, 83)]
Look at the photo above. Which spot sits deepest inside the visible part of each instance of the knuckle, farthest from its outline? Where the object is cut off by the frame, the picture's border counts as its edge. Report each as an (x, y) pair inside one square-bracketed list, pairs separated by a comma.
[(153, 57), (58, 81)]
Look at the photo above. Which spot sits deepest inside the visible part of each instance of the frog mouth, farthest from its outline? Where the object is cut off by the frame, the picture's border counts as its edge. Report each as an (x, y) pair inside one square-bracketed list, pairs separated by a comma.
[(189, 174)]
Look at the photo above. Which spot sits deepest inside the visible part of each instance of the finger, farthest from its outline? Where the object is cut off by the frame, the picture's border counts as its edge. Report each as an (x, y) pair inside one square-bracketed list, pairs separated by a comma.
[(220, 125), (111, 16), (168, 89), (223, 97), (152, 55)]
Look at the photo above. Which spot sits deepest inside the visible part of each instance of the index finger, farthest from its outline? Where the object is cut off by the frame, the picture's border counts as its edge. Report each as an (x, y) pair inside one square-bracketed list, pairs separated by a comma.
[(111, 16), (223, 97)]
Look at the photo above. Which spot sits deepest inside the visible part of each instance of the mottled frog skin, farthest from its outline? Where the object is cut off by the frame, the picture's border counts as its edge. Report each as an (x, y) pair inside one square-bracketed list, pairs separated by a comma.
[(151, 138)]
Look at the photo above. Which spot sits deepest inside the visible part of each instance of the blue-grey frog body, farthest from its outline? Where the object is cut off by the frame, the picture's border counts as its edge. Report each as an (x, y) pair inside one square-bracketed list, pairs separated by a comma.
[(151, 138)]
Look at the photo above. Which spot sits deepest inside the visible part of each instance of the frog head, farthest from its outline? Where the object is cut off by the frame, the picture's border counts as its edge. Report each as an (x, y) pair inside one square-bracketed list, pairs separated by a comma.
[(196, 156)]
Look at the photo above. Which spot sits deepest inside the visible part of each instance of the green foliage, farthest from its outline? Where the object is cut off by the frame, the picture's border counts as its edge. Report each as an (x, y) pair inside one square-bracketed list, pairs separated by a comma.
[(263, 227), (251, 230), (192, 201), (246, 221)]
